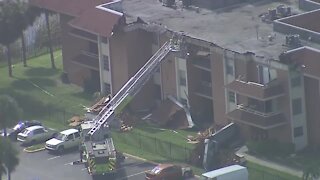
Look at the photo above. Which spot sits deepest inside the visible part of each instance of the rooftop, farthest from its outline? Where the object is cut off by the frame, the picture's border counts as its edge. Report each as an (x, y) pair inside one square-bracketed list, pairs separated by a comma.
[(307, 59), (69, 7), (238, 28), (69, 131), (32, 128), (306, 20)]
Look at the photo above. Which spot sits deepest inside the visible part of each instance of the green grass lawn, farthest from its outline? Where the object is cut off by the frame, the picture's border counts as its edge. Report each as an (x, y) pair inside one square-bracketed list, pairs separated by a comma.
[(41, 94), (257, 172)]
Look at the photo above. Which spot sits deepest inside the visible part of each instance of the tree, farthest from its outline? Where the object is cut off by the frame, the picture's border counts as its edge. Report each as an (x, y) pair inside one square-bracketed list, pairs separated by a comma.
[(31, 13), (53, 66), (311, 172), (8, 157), (9, 112), (12, 23)]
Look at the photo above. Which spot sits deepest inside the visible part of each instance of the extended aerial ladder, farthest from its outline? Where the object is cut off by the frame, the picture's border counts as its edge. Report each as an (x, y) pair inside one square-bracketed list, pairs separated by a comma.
[(131, 88)]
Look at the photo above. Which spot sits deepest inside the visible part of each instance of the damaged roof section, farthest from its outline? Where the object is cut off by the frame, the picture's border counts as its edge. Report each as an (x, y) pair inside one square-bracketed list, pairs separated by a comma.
[(173, 114), (247, 33)]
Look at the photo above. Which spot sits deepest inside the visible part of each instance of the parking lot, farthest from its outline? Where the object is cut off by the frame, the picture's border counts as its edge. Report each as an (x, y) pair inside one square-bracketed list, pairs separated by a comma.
[(45, 166)]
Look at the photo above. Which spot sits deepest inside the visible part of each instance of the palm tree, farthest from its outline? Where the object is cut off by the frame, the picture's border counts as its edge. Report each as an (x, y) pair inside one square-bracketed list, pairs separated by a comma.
[(311, 172), (8, 157), (9, 112), (11, 25)]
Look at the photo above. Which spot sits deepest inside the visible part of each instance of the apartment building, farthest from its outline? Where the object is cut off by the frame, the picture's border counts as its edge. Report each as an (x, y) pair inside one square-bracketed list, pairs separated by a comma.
[(253, 63)]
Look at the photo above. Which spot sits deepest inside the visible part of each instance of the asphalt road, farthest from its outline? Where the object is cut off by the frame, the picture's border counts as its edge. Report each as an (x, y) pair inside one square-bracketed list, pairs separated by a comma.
[(45, 166)]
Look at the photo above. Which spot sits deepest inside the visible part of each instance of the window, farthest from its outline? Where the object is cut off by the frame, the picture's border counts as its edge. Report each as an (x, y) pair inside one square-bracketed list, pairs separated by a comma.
[(182, 78), (268, 106), (232, 97), (184, 101), (38, 131), (266, 74), (296, 106), (93, 48), (76, 135), (70, 137), (105, 60), (230, 67), (298, 131), (155, 38), (296, 82), (104, 40), (107, 88)]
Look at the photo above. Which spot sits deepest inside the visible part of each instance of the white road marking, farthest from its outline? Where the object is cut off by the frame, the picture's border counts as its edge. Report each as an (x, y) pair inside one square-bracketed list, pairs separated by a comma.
[(70, 163), (83, 169), (134, 174), (53, 158)]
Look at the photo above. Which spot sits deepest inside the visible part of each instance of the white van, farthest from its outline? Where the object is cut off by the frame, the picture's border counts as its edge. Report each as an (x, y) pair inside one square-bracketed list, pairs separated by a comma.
[(227, 173), (64, 140)]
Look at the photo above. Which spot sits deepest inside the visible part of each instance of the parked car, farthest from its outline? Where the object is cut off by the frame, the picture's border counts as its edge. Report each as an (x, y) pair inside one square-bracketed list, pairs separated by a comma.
[(169, 172), (66, 139), (35, 134), (13, 132)]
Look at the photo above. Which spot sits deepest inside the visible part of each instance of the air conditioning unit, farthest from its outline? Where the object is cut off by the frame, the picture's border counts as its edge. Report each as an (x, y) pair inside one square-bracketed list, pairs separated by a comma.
[(293, 40), (168, 3)]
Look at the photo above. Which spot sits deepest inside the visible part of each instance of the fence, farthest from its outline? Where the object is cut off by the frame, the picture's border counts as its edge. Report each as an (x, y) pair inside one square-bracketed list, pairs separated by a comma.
[(60, 115), (154, 145)]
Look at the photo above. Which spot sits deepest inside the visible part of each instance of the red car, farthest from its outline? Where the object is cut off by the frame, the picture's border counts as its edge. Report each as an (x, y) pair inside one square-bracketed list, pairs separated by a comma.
[(169, 172)]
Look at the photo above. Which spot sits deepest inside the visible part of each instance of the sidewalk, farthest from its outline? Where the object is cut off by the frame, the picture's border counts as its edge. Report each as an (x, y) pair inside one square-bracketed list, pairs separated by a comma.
[(270, 164)]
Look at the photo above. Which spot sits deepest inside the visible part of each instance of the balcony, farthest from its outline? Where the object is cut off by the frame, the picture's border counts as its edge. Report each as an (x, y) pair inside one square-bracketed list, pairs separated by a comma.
[(257, 119), (83, 35), (87, 61), (255, 90), (204, 90)]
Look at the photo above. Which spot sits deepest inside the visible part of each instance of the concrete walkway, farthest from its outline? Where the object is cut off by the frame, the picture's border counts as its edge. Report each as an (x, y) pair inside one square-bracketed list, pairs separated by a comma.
[(270, 164)]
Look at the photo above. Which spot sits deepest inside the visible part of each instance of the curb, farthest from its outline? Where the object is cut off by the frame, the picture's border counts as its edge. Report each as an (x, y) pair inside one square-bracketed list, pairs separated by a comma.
[(33, 151)]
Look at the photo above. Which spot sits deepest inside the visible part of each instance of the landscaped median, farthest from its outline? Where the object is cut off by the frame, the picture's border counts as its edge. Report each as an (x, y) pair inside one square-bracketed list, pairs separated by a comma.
[(35, 148)]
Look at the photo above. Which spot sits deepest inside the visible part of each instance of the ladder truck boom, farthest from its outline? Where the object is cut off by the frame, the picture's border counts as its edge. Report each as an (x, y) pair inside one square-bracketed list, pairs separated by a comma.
[(131, 88)]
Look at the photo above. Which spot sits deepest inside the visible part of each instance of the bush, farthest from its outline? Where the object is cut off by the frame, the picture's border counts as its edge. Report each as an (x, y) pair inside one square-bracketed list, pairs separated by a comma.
[(270, 148)]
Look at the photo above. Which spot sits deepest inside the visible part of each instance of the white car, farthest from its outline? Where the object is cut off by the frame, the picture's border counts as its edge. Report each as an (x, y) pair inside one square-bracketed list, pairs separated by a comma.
[(35, 134), (66, 139)]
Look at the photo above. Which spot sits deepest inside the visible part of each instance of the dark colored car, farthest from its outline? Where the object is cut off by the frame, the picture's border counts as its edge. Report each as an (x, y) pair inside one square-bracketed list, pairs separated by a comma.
[(13, 133), (169, 172)]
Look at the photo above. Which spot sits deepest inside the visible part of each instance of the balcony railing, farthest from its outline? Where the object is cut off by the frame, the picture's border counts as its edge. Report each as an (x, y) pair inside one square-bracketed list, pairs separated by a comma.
[(90, 54), (253, 111), (255, 118), (86, 61), (255, 90), (83, 35)]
